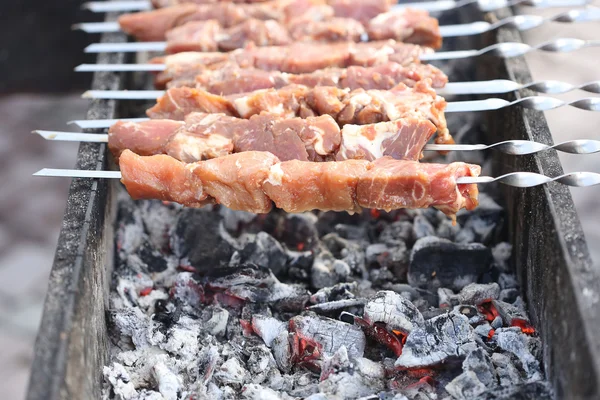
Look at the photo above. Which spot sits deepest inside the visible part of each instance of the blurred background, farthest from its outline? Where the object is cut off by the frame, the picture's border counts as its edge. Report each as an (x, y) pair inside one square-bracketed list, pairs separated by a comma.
[(38, 90)]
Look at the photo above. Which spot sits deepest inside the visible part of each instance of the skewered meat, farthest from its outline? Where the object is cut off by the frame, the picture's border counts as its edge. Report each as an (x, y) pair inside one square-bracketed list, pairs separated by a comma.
[(346, 107), (231, 79), (210, 36), (251, 181), (170, 3), (305, 19), (296, 58), (204, 136)]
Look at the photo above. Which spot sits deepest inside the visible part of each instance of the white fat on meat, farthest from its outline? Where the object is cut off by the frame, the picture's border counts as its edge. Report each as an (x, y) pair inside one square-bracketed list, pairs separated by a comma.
[(353, 139), (275, 175)]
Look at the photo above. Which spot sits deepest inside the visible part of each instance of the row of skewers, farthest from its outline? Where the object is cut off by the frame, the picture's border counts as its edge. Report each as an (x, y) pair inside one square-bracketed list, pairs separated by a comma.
[(302, 110)]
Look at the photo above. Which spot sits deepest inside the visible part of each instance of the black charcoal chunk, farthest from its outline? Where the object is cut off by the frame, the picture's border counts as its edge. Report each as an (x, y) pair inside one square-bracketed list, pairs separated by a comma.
[(155, 261), (196, 240), (510, 313), (397, 232), (439, 339), (514, 341), (526, 391), (422, 227), (436, 263), (300, 231), (508, 374), (466, 386), (340, 291), (397, 312), (263, 250)]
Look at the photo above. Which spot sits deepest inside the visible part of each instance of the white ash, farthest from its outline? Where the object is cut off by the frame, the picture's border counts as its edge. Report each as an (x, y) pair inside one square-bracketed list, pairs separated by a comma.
[(252, 307)]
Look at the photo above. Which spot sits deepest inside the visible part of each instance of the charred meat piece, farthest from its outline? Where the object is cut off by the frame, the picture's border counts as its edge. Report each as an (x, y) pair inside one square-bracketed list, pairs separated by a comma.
[(205, 136), (250, 180), (297, 58), (408, 25), (346, 107)]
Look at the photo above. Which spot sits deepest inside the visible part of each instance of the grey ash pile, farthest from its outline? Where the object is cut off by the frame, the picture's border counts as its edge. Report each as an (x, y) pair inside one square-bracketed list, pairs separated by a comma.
[(216, 304)]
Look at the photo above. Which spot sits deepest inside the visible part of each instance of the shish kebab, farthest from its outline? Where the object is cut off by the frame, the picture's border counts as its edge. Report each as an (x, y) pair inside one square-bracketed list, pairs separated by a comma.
[(410, 26), (431, 6)]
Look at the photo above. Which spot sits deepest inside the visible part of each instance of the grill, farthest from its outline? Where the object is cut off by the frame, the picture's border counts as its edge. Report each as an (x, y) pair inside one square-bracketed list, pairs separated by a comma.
[(550, 254)]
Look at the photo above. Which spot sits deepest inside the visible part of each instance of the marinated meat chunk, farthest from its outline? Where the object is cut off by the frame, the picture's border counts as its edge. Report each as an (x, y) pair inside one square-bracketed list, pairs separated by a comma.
[(407, 25), (146, 138)]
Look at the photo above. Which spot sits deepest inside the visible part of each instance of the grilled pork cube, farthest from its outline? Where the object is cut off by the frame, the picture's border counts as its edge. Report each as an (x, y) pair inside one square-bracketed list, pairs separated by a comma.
[(402, 139), (232, 79), (251, 180), (330, 30), (194, 36), (145, 138), (153, 25), (161, 177), (390, 184), (346, 107), (237, 180), (362, 10), (297, 186), (412, 26), (210, 36), (296, 58)]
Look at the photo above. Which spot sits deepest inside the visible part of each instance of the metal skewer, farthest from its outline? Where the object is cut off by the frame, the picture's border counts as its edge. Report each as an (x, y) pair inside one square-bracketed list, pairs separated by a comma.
[(442, 5), (513, 147), (453, 88), (517, 179), (520, 22)]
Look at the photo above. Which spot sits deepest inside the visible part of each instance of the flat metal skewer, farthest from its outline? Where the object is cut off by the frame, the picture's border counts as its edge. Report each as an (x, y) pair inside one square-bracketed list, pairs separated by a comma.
[(442, 5), (520, 22), (513, 147), (517, 179), (453, 88)]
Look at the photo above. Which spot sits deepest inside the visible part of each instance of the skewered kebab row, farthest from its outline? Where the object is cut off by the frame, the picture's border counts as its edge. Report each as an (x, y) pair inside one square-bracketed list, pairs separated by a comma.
[(227, 26), (297, 58), (346, 107), (204, 136), (231, 79), (409, 26), (253, 181)]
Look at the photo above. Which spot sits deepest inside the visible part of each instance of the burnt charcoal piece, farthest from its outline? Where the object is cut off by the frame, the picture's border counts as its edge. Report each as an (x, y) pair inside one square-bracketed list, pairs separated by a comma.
[(197, 242), (514, 341), (436, 263), (154, 259), (510, 314), (527, 391), (299, 231), (318, 332), (422, 227), (440, 339), (263, 250), (396, 312), (477, 293), (396, 233), (341, 291)]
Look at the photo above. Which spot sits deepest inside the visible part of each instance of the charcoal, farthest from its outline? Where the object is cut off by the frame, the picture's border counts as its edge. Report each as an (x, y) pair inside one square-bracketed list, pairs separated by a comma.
[(436, 263), (487, 209), (346, 250), (187, 289), (263, 250), (157, 219), (480, 363), (262, 367), (217, 324), (447, 298), (446, 230), (234, 220), (395, 259), (403, 289), (466, 386), (397, 232), (120, 382), (501, 253), (380, 276), (395, 311), (508, 375), (337, 305), (323, 273), (509, 295), (476, 293), (422, 227), (194, 240), (257, 392), (282, 351), (268, 328), (514, 341), (465, 236), (496, 323), (300, 231), (350, 232), (154, 260), (317, 329), (339, 361), (510, 314), (340, 291), (232, 372), (437, 340), (483, 330), (373, 252), (207, 362), (507, 281), (300, 260), (483, 228), (168, 382), (533, 390)]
